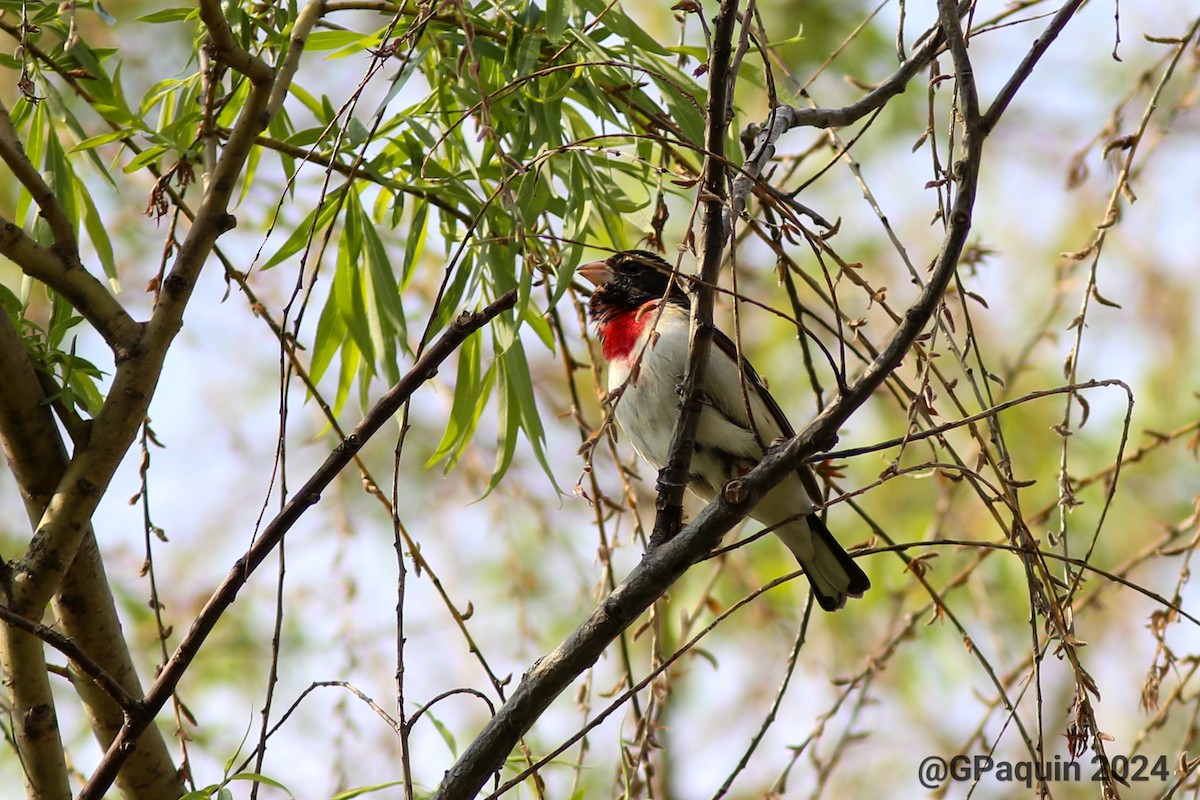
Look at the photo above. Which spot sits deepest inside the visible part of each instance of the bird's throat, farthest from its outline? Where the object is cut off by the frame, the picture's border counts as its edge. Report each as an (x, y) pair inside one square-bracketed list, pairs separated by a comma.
[(621, 334)]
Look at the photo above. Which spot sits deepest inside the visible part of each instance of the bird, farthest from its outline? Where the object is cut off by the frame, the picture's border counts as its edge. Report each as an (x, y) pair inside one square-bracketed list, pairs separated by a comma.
[(642, 319)]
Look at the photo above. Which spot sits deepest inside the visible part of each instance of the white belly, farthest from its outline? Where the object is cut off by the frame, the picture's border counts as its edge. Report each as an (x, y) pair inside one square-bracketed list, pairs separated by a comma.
[(648, 406)]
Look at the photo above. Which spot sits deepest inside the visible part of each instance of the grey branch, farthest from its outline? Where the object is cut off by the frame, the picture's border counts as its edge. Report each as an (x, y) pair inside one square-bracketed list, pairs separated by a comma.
[(784, 118), (714, 233)]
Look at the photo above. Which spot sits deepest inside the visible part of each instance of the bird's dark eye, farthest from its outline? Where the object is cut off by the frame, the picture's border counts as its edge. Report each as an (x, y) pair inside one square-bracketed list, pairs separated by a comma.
[(628, 266)]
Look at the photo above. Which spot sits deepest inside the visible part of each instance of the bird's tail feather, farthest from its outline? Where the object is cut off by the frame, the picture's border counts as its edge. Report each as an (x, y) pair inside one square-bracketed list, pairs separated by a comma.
[(834, 575)]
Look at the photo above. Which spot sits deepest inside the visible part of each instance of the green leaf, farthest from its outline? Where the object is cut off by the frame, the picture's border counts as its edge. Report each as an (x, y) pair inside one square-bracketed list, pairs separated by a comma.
[(62, 179), (314, 222), (471, 392), (255, 777), (148, 156), (612, 18), (170, 15), (109, 100), (348, 291), (281, 128), (369, 42), (98, 233), (385, 311), (558, 13), (452, 299), (333, 40), (327, 340), (233, 106), (533, 317), (101, 139), (248, 173), (510, 425), (518, 411), (351, 358), (350, 794), (445, 733), (414, 244), (11, 304), (309, 100), (694, 51)]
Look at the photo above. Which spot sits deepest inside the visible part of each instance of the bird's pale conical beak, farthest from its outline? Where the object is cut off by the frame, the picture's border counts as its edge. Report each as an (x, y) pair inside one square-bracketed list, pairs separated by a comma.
[(597, 272)]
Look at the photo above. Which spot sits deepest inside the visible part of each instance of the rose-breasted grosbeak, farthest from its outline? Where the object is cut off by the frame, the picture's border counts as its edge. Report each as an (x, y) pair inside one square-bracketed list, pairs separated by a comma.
[(642, 318)]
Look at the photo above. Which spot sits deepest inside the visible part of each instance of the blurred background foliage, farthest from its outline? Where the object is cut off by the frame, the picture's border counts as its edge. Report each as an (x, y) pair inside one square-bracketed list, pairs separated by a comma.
[(429, 158)]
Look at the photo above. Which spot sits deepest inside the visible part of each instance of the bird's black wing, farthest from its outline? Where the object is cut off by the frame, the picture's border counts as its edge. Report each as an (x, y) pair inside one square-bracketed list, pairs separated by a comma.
[(755, 384)]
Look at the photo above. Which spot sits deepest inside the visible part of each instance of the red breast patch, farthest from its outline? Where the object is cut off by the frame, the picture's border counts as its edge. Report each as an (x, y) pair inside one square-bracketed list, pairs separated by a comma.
[(621, 333)]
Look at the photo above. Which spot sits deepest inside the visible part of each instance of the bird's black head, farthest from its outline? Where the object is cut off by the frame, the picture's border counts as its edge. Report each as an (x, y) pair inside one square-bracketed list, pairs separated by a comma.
[(629, 279)]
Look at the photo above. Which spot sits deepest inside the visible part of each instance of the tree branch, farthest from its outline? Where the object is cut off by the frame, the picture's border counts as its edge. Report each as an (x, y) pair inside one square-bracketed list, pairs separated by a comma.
[(77, 286), (65, 522), (88, 629), (1025, 68), (69, 649), (307, 18), (784, 118), (35, 721), (87, 477), (87, 615), (226, 49), (13, 154), (714, 232), (306, 497), (24, 424)]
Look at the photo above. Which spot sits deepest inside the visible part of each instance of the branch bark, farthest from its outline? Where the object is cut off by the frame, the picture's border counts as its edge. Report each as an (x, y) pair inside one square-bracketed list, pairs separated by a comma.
[(70, 279), (89, 631), (714, 233), (62, 526), (62, 560), (22, 659), (13, 154)]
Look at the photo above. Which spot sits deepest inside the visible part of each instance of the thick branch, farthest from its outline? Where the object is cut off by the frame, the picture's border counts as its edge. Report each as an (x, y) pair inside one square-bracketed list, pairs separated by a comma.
[(67, 516), (35, 722), (226, 49), (88, 631), (308, 17), (31, 443), (23, 420), (714, 232), (63, 273), (87, 614), (60, 268), (65, 522), (13, 154), (307, 496)]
